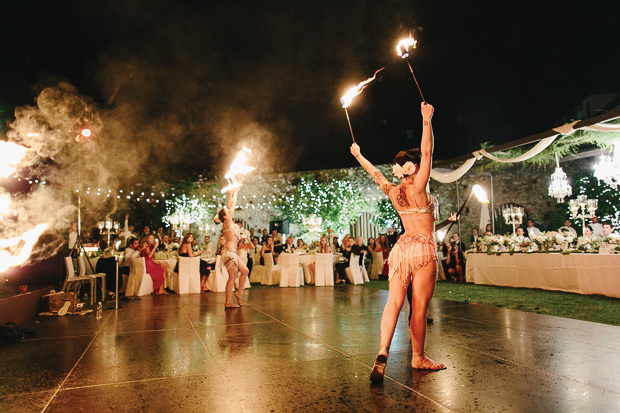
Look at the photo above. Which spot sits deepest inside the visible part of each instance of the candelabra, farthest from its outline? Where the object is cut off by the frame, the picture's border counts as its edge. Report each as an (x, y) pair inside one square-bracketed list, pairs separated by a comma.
[(582, 202), (513, 215), (110, 227)]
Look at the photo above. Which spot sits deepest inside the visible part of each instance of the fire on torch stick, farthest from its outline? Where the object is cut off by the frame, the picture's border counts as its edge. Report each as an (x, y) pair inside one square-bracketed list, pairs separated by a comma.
[(237, 167), (347, 98), (402, 49)]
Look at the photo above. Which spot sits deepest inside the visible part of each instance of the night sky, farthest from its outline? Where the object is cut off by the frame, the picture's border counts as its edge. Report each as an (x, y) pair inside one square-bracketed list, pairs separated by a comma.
[(495, 71)]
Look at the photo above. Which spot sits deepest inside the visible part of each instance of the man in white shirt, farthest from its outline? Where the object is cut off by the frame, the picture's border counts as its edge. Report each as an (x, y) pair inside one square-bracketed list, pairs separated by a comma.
[(208, 248), (597, 227), (532, 231), (289, 246), (131, 252), (568, 227)]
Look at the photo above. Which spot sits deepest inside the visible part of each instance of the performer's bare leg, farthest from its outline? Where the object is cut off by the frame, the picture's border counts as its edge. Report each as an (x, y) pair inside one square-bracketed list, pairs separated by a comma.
[(394, 304), (242, 278), (423, 288), (232, 275)]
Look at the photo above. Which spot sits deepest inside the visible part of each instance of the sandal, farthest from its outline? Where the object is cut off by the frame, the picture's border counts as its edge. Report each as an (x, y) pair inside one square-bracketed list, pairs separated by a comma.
[(426, 364), (64, 308), (378, 370)]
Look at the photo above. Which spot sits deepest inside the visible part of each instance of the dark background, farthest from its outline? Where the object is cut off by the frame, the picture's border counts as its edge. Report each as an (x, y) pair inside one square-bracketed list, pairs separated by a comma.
[(495, 71)]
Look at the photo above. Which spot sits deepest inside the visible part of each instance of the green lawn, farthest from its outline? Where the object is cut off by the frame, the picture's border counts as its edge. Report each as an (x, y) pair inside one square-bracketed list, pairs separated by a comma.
[(596, 308)]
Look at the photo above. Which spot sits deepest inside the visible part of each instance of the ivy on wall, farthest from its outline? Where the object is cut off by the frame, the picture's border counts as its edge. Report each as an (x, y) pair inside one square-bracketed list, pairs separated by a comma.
[(386, 216), (608, 198)]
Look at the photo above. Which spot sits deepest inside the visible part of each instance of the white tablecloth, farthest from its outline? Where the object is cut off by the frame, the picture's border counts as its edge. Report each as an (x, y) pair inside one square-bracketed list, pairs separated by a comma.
[(577, 273)]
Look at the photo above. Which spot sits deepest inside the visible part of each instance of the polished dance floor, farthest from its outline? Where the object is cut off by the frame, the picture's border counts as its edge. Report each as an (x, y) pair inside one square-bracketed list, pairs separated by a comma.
[(307, 349)]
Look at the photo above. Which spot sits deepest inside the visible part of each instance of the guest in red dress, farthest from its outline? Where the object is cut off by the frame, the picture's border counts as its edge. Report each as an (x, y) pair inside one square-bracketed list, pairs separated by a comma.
[(154, 268)]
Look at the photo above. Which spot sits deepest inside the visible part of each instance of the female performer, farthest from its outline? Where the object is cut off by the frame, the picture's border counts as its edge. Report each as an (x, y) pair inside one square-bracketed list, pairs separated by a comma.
[(413, 258), (230, 259)]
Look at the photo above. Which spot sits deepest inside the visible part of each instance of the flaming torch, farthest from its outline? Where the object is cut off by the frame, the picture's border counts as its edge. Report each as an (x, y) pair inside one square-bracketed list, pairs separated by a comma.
[(238, 167), (16, 250), (347, 98), (402, 49)]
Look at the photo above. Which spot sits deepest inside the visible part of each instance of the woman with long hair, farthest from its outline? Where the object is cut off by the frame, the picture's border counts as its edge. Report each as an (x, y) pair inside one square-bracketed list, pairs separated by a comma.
[(371, 245), (323, 249), (414, 258), (187, 250), (267, 248), (230, 259), (153, 267)]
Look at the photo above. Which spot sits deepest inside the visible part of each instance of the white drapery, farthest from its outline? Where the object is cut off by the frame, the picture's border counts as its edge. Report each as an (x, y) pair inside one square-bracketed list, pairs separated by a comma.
[(566, 129)]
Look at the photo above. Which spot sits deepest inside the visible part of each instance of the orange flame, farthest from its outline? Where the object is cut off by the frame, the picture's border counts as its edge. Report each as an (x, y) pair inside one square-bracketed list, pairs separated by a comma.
[(402, 48), (356, 90), (15, 251), (11, 155), (238, 167)]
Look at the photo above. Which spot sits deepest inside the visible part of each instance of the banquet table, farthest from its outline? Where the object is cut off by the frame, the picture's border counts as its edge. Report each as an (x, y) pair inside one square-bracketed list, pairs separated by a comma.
[(577, 273)]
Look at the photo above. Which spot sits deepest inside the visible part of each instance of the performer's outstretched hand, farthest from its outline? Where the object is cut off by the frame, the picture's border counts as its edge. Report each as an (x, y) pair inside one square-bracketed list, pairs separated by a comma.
[(355, 150), (427, 111)]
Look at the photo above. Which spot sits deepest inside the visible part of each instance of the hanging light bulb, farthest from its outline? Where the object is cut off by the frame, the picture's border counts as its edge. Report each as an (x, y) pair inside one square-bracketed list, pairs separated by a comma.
[(608, 168), (559, 188)]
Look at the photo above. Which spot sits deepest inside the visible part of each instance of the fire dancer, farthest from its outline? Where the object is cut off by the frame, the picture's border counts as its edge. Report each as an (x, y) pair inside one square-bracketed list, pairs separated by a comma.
[(414, 257), (230, 259)]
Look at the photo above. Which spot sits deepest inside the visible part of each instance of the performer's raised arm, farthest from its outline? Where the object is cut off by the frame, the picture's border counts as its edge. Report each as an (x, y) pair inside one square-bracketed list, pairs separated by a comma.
[(426, 148), (232, 201), (385, 185)]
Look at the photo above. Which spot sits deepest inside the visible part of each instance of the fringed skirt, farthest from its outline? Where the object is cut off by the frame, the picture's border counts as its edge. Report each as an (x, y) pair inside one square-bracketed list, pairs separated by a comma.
[(410, 253)]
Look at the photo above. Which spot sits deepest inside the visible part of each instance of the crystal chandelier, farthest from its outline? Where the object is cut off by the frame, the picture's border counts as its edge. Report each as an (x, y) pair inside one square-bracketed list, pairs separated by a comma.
[(608, 168), (559, 188)]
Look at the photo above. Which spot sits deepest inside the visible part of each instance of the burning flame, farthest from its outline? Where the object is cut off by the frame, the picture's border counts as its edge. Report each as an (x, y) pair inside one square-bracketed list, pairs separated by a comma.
[(356, 90), (11, 155), (480, 194), (402, 48), (15, 251), (84, 133), (238, 167)]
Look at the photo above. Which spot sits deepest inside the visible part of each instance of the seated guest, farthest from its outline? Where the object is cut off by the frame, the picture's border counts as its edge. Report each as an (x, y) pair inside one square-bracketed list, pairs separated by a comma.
[(609, 233), (323, 249), (597, 227), (335, 247), (301, 244), (587, 233), (488, 230), (131, 252), (359, 248), (457, 239), (257, 246), (392, 236), (277, 240), (268, 248), (383, 246), (531, 230), (289, 246), (159, 234), (127, 232), (153, 267), (187, 250), (264, 237), (165, 242), (208, 248), (454, 261), (568, 227), (341, 276), (475, 238), (371, 245)]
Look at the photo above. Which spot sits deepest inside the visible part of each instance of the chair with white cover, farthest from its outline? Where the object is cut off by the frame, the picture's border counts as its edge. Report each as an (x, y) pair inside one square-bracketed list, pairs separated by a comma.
[(353, 271), (189, 275), (363, 268), (139, 282), (258, 271), (73, 279), (272, 272), (292, 275), (101, 275), (377, 265), (218, 278), (323, 270)]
